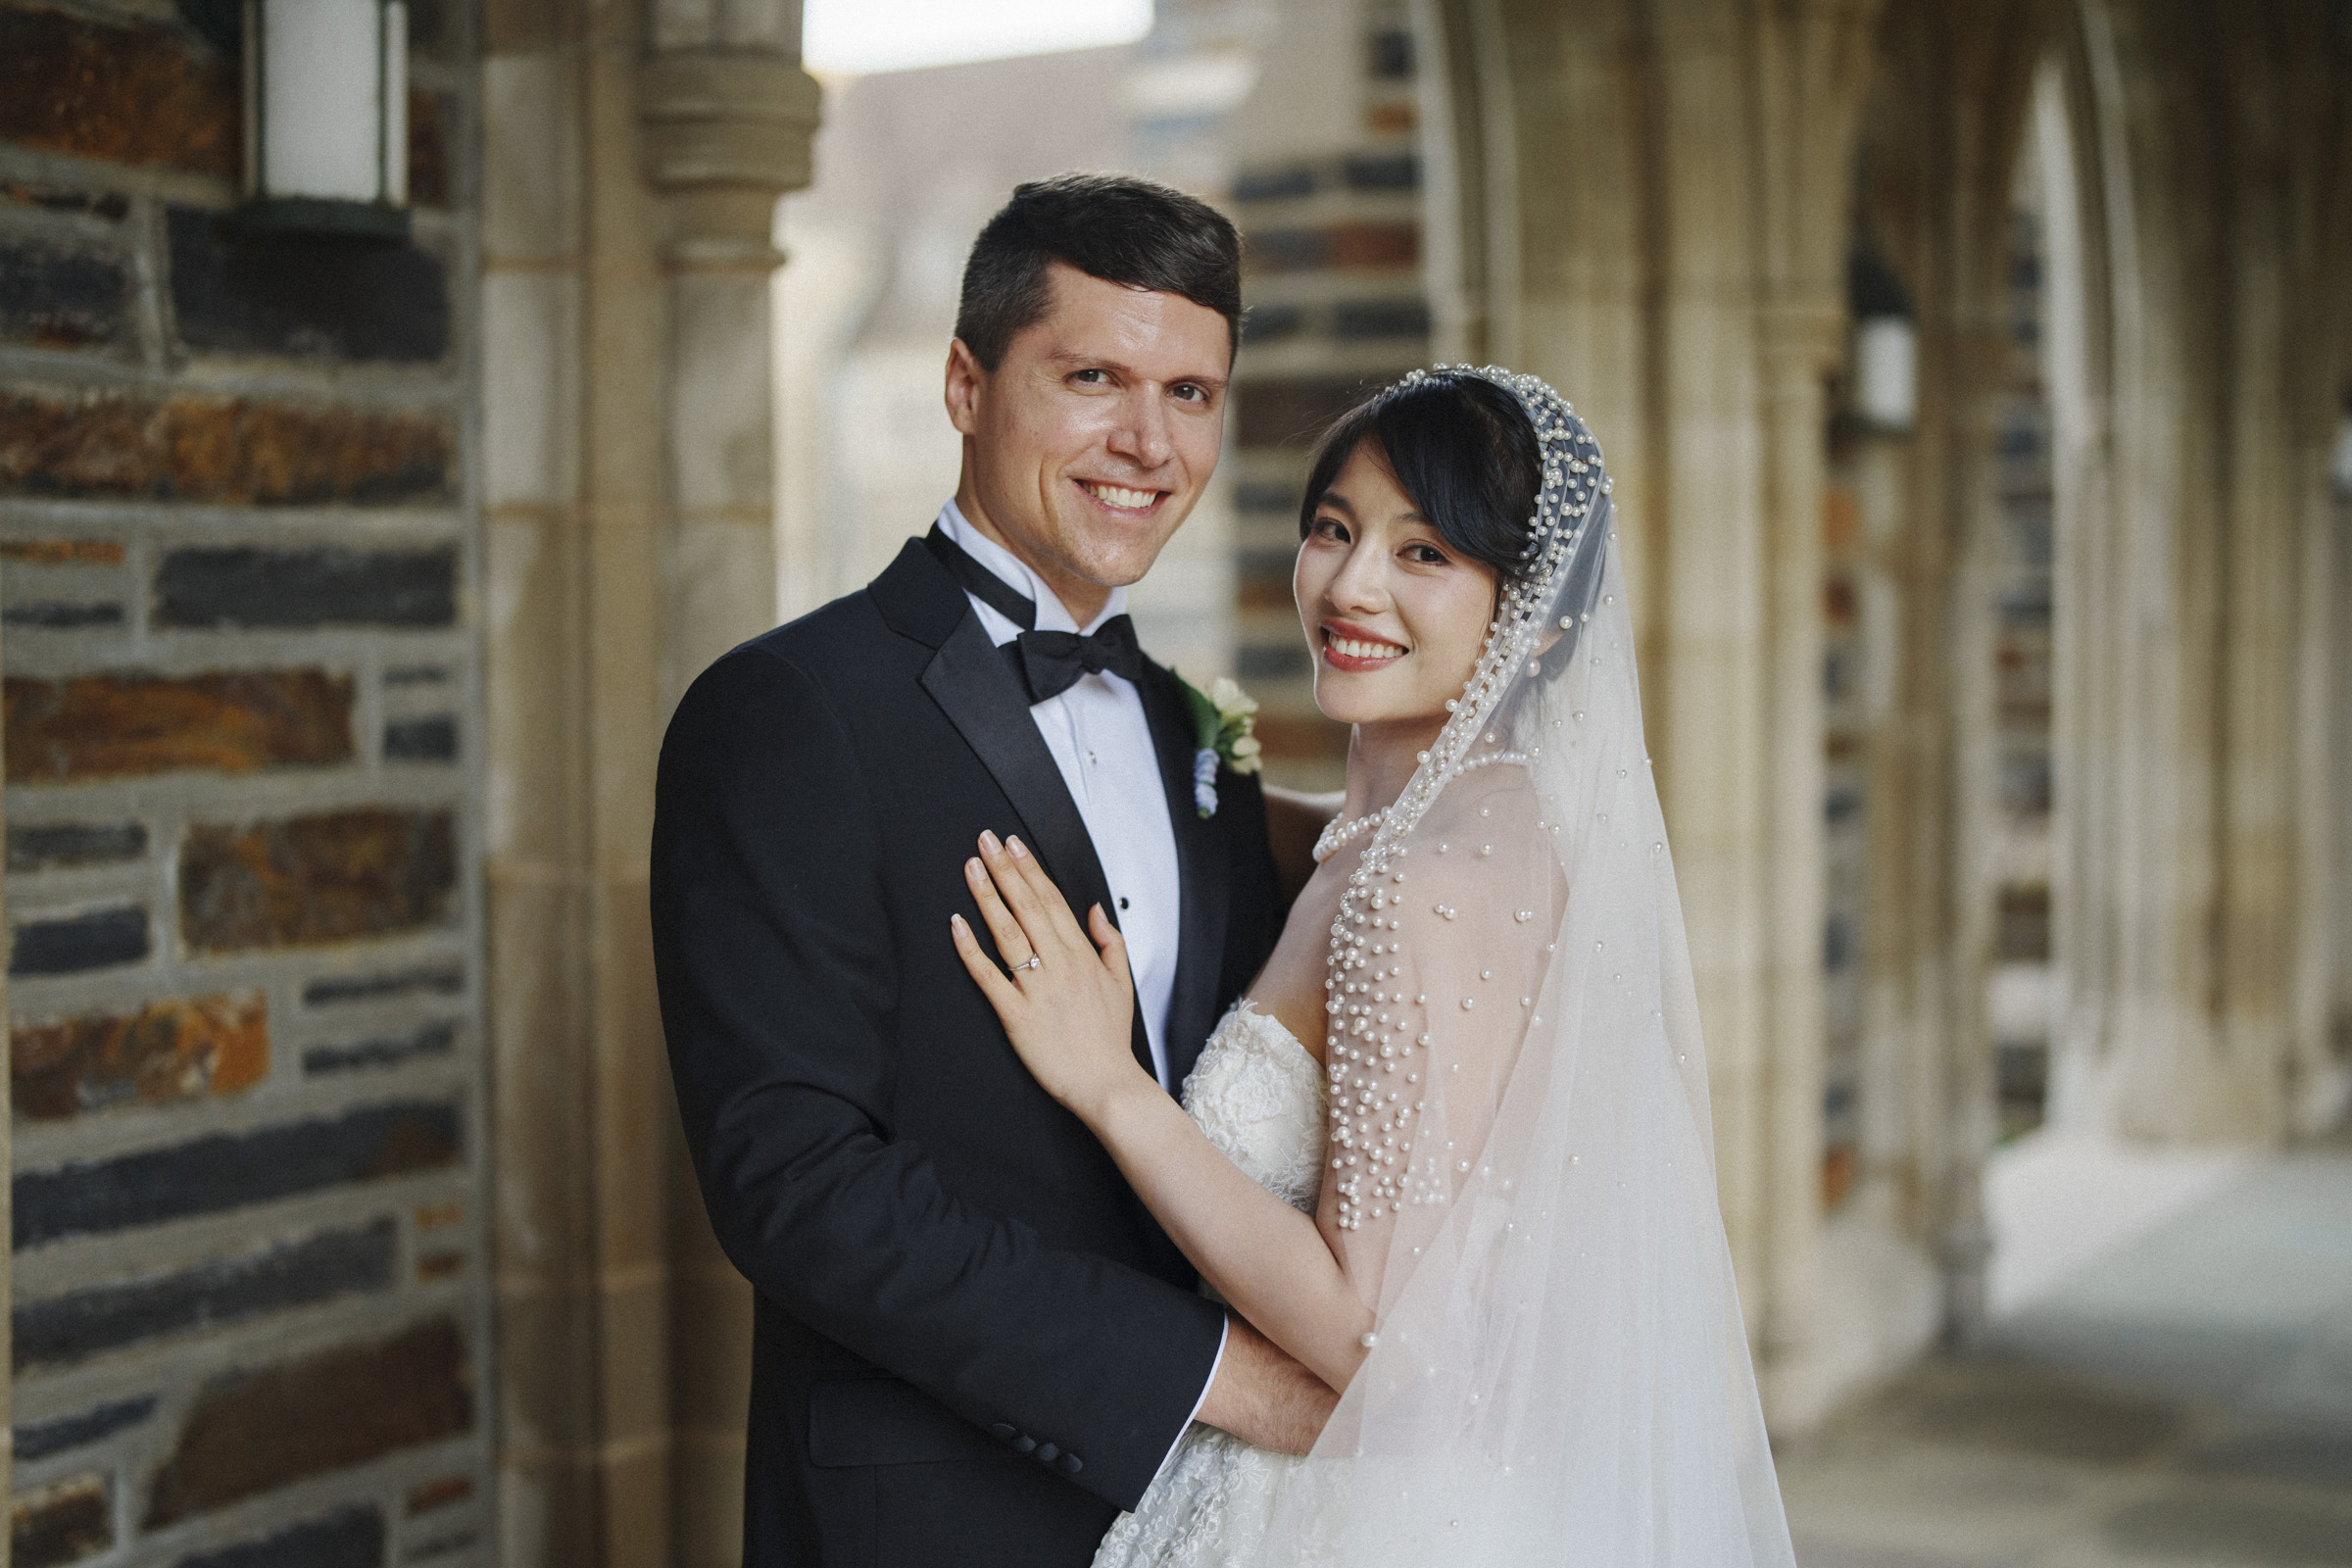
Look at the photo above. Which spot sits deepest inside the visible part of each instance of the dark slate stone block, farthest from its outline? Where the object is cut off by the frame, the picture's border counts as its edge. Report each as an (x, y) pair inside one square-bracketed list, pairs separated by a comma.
[(433, 1040), (2286, 1455), (1286, 250), (377, 987), (1291, 410), (1358, 320), (416, 675), (1274, 663), (1271, 324), (56, 298), (1392, 55), (85, 1322), (1386, 172), (1274, 185), (44, 846), (1255, 495), (109, 204), (44, 1438), (230, 1170), (61, 616), (2217, 1527), (421, 739), (246, 586), (316, 299), (98, 940), (432, 1547), (349, 1537)]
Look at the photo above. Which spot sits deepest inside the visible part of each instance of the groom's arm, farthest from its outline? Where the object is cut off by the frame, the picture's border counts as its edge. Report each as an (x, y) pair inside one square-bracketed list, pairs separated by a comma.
[(778, 963)]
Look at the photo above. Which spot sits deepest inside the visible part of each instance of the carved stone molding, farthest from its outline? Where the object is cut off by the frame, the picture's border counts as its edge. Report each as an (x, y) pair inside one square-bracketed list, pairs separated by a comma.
[(725, 133)]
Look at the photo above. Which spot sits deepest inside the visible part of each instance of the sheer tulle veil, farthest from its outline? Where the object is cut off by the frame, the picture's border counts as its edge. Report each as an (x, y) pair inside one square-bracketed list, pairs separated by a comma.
[(1521, 1152)]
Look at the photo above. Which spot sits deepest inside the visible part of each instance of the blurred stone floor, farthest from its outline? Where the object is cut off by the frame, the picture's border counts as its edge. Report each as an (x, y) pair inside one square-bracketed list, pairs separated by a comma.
[(2185, 1398)]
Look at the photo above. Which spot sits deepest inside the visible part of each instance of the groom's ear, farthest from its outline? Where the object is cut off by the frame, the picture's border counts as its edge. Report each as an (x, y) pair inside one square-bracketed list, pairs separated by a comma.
[(966, 382)]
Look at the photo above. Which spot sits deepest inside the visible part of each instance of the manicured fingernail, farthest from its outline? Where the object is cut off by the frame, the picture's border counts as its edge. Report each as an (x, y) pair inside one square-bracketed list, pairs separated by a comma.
[(1017, 847), (956, 920), (988, 841), (975, 870)]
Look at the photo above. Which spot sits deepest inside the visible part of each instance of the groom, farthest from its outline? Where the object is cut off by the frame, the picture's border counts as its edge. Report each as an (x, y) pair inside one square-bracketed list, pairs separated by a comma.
[(973, 1346)]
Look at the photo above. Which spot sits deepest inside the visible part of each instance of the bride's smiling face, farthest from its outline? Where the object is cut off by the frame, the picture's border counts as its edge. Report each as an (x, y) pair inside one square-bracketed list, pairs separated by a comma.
[(1395, 617)]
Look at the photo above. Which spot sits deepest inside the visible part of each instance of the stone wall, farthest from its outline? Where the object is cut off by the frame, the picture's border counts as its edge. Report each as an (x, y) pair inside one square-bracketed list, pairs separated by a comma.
[(1329, 201), (237, 583)]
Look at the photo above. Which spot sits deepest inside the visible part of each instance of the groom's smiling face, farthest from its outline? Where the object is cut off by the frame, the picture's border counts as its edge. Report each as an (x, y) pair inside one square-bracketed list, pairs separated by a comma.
[(1095, 434)]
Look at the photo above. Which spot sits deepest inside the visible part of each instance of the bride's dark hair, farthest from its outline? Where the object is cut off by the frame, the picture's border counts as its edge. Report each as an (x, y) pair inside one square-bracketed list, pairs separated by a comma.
[(1460, 446)]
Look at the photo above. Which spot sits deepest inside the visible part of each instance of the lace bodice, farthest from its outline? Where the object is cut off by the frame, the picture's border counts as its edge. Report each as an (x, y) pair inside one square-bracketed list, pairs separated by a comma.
[(1258, 1096)]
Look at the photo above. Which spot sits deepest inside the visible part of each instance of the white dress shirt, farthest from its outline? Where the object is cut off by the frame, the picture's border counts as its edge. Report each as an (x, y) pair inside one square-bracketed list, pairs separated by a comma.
[(1102, 742)]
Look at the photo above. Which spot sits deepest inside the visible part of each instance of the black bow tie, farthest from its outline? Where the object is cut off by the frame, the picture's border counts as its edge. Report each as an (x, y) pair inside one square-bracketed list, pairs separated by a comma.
[(1048, 662)]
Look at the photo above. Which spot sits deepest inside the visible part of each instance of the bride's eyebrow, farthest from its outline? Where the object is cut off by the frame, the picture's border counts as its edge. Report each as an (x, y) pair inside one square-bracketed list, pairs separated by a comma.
[(1335, 501)]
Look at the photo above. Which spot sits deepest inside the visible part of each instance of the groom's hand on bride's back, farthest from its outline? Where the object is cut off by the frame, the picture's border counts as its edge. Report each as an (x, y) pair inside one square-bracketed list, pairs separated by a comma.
[(1262, 1396)]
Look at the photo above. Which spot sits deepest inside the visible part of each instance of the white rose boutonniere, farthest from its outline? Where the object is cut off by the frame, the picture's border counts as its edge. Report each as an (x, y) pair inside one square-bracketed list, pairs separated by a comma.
[(1223, 719)]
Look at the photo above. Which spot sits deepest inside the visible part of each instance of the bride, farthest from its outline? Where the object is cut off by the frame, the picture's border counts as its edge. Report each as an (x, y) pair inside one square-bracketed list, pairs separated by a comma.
[(1452, 1148)]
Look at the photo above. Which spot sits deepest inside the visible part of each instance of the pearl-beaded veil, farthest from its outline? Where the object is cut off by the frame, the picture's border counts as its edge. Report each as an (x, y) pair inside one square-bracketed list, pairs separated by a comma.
[(1520, 1165)]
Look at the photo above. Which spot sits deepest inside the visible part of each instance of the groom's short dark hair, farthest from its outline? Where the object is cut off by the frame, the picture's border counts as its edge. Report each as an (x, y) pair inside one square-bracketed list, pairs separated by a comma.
[(1113, 226)]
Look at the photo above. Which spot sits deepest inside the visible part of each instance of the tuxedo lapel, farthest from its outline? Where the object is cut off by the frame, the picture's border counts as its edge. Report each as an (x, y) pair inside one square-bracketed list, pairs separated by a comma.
[(1201, 876), (982, 696)]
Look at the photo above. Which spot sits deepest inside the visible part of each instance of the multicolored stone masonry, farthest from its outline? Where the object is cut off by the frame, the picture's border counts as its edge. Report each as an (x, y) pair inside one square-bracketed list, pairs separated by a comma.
[(239, 620)]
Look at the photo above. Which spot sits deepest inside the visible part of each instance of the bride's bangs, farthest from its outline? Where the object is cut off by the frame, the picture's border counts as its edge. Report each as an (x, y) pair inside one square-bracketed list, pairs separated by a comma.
[(1461, 447)]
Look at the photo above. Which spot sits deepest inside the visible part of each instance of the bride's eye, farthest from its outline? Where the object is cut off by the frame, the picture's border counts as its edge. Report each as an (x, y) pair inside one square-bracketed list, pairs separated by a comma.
[(1331, 528), (1426, 556)]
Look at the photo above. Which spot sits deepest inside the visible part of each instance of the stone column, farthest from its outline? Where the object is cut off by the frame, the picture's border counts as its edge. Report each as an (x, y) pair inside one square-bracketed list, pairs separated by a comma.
[(1650, 211), (631, 182), (2211, 154), (727, 114)]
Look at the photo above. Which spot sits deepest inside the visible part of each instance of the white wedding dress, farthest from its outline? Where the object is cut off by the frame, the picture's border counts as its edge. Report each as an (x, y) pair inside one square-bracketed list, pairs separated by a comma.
[(1258, 1096)]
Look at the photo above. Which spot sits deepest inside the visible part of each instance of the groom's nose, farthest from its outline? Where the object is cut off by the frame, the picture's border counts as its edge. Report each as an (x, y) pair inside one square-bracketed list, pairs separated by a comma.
[(1142, 434)]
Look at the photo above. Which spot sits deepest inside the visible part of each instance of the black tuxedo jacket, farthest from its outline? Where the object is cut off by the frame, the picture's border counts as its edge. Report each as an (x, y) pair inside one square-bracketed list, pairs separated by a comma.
[(973, 1343)]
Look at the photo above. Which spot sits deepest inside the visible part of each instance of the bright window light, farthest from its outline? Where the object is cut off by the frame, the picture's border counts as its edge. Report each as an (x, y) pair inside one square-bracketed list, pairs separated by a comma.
[(861, 37)]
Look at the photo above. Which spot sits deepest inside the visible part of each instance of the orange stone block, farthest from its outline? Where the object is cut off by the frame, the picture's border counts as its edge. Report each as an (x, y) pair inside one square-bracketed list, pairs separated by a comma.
[(126, 95), (335, 877), (62, 552), (230, 451), (61, 1523), (439, 1494), (166, 1051), (1370, 244), (122, 726), (255, 1432), (440, 1266)]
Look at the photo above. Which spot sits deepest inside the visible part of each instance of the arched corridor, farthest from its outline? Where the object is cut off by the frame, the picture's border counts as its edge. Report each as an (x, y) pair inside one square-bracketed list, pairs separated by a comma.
[(1977, 377)]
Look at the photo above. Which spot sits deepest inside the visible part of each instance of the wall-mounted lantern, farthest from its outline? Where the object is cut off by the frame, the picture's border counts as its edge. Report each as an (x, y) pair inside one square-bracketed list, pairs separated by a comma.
[(327, 118), (1885, 349)]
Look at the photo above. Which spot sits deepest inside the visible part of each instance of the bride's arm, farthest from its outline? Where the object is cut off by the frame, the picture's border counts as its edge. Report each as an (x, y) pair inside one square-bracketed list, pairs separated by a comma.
[(1070, 1020)]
